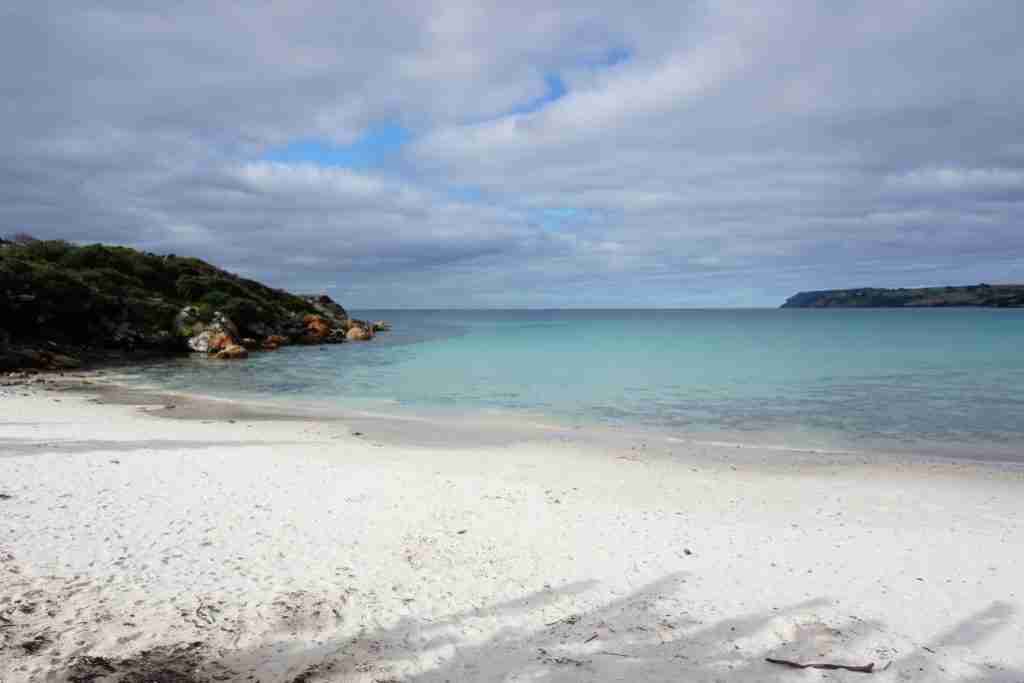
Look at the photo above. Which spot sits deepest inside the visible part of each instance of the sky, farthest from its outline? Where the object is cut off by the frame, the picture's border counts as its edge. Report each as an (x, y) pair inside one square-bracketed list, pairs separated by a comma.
[(526, 154)]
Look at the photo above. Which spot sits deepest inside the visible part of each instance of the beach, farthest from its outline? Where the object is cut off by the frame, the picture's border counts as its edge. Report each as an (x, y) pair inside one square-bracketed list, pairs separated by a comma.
[(232, 545)]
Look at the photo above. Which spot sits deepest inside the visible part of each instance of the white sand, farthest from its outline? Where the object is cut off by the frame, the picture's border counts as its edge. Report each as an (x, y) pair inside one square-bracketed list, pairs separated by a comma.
[(292, 550)]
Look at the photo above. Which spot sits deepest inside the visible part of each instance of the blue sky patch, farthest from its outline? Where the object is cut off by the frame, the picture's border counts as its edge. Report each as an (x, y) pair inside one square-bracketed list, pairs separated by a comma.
[(555, 91), (617, 55), (556, 218), (466, 193), (370, 149)]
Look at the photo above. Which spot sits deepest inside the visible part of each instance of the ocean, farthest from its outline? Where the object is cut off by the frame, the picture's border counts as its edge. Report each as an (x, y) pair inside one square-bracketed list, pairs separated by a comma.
[(908, 379)]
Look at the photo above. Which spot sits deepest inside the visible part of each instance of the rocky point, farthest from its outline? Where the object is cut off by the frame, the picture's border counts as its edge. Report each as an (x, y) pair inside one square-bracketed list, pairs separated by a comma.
[(62, 304)]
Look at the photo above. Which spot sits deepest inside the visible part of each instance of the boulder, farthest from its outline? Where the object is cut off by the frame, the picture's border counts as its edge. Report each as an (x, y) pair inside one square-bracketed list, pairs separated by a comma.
[(274, 342), (203, 337), (232, 352), (200, 343), (381, 326), (357, 333), (222, 323), (250, 343), (317, 327), (220, 342)]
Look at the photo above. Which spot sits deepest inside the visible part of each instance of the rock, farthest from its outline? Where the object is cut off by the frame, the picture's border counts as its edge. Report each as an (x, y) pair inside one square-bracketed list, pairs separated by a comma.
[(203, 337), (200, 343), (273, 342), (357, 333), (220, 342), (337, 336), (232, 352), (328, 308), (381, 326), (317, 327), (210, 341), (250, 343), (222, 323), (354, 322)]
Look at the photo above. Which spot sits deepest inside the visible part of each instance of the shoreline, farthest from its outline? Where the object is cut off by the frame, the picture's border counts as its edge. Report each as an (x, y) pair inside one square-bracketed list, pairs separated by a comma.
[(407, 426), (295, 550)]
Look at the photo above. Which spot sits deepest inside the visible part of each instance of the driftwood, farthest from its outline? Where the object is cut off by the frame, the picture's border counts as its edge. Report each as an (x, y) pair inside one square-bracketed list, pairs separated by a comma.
[(862, 669)]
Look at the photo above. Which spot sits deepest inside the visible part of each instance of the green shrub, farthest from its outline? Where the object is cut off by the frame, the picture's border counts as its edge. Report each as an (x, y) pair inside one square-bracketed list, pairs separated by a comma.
[(215, 298), (107, 279), (189, 287), (245, 312), (100, 285), (50, 251)]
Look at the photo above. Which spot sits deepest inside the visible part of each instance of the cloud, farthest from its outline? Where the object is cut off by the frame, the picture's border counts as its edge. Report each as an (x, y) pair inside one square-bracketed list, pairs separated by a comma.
[(961, 179), (474, 154)]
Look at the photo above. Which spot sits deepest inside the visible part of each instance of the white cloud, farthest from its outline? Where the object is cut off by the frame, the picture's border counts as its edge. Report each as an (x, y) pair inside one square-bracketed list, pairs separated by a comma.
[(738, 147), (960, 179)]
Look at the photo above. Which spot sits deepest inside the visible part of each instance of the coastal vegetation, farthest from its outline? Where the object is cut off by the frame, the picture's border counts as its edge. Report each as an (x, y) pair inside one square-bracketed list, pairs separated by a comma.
[(60, 302), (997, 296)]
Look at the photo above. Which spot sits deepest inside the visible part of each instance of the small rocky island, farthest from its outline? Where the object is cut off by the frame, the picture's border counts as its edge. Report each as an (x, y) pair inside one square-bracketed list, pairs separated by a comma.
[(62, 305), (991, 296)]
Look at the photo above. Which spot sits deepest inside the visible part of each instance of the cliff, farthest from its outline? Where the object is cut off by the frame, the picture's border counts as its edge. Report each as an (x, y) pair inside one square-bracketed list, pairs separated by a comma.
[(60, 303), (1001, 296)]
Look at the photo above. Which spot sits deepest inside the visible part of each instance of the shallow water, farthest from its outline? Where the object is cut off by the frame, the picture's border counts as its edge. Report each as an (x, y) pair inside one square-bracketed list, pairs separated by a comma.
[(880, 379)]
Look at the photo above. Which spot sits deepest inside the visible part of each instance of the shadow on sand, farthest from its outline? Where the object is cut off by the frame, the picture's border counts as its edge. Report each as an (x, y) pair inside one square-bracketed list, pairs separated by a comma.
[(646, 635)]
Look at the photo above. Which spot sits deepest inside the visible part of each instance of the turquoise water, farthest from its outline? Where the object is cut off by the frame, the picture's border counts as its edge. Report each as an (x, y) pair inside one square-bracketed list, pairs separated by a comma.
[(878, 378)]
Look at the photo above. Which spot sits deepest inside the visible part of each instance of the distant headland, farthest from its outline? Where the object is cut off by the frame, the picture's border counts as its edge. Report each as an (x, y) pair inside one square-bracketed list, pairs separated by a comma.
[(62, 304), (984, 295)]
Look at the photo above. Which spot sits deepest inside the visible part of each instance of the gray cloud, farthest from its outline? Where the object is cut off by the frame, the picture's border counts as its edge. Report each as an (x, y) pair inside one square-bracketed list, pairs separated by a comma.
[(701, 154)]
